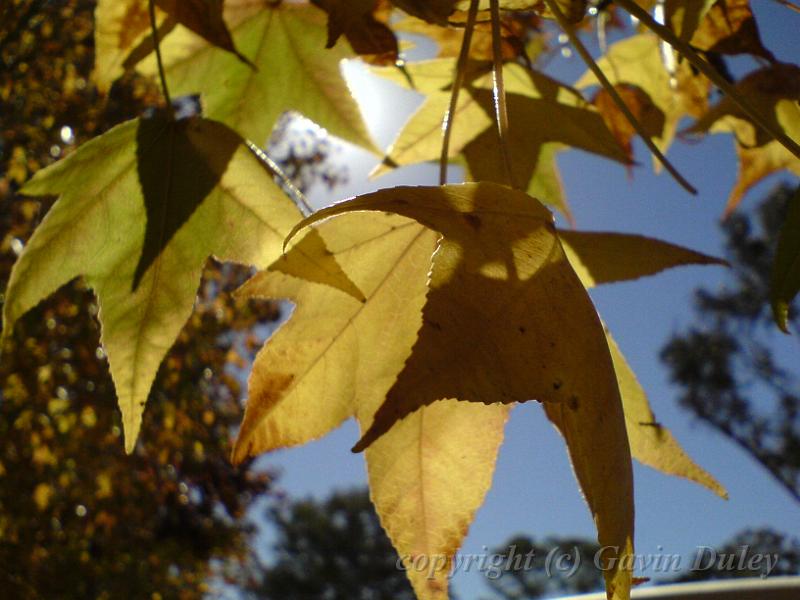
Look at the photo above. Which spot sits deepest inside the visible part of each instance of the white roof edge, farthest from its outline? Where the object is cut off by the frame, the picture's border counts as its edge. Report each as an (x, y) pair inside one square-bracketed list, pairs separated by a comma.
[(772, 588)]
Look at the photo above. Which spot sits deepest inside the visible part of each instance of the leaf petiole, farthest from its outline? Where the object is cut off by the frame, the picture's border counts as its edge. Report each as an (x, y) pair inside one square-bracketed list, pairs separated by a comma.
[(458, 81), (499, 91), (154, 28), (601, 77)]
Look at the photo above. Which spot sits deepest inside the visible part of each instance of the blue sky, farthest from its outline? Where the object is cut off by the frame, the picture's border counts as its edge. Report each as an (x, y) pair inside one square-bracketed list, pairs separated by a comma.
[(534, 490)]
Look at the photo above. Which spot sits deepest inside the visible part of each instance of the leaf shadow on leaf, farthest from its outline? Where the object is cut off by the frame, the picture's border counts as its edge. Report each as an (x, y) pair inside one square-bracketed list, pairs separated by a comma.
[(499, 317), (175, 177)]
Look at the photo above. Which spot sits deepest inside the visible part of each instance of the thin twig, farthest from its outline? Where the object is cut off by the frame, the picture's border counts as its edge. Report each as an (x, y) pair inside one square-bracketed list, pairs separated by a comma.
[(666, 34), (597, 71), (154, 28), (499, 91), (300, 198), (458, 81), (788, 4)]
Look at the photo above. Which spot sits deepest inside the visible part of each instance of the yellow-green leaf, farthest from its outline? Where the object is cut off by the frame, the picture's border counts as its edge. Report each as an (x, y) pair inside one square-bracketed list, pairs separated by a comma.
[(141, 208), (294, 72), (786, 271)]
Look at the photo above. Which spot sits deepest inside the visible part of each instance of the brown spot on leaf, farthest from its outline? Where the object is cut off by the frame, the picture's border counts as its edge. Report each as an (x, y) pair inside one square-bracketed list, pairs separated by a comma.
[(473, 221)]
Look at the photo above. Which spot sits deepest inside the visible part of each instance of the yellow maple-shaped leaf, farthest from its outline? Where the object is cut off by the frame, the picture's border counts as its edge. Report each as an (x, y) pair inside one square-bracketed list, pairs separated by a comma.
[(507, 320), (637, 63), (774, 92), (337, 358), (729, 27), (141, 208), (120, 28), (547, 116), (294, 71), (123, 33), (423, 461)]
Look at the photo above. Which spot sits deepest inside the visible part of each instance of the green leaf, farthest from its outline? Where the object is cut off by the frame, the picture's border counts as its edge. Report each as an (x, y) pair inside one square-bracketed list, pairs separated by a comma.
[(141, 208), (786, 271), (294, 72)]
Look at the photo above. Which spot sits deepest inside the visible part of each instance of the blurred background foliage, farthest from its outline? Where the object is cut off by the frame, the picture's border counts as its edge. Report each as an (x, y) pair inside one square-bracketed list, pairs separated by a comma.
[(79, 518)]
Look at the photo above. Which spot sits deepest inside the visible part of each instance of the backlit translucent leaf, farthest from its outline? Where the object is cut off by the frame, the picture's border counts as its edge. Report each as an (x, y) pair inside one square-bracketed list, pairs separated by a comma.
[(637, 62), (123, 36), (774, 92), (599, 257), (336, 358), (141, 208), (286, 42), (500, 264), (546, 116)]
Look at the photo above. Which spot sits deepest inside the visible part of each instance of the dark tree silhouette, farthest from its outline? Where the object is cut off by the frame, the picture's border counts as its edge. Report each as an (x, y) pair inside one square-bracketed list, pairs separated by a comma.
[(724, 365), (552, 566), (332, 550), (739, 557)]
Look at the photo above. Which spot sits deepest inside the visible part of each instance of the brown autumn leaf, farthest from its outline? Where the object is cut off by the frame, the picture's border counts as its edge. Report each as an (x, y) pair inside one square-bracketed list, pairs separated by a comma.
[(204, 17), (641, 106), (729, 27), (774, 91), (369, 37), (637, 61)]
